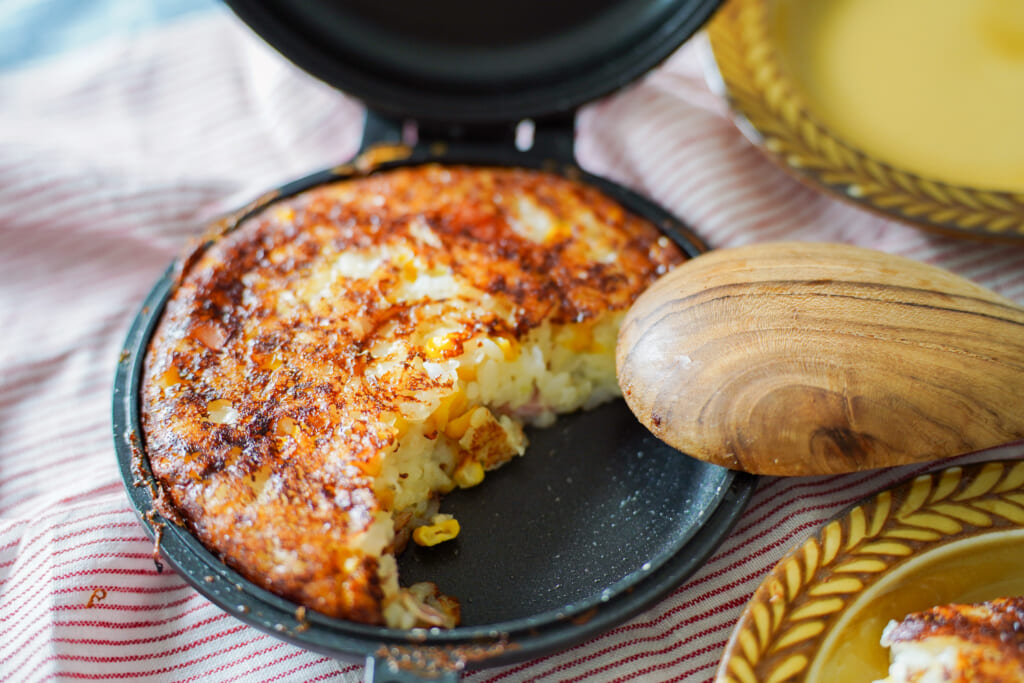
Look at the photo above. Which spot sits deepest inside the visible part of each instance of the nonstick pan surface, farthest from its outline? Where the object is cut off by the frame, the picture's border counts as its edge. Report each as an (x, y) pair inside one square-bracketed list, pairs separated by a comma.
[(597, 521)]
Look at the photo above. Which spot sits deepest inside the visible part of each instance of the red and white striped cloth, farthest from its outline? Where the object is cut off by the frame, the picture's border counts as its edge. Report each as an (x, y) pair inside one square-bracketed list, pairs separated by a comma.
[(111, 158)]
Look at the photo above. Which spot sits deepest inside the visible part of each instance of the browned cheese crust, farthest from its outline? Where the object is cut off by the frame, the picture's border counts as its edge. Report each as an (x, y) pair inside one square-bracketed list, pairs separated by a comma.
[(256, 371), (987, 638)]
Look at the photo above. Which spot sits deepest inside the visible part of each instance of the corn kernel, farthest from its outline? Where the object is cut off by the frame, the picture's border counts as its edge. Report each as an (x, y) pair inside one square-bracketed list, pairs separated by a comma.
[(370, 467), (401, 426), (444, 528), (507, 347), (457, 427), (439, 418), (286, 426), (386, 498), (440, 347), (582, 337), (409, 271), (560, 230), (269, 361), (466, 372), (221, 412), (458, 403), (469, 473), (170, 377), (452, 404)]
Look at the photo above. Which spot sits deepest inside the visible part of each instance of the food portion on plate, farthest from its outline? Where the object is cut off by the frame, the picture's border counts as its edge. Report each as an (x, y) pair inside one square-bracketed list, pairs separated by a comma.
[(325, 371), (958, 643), (954, 536)]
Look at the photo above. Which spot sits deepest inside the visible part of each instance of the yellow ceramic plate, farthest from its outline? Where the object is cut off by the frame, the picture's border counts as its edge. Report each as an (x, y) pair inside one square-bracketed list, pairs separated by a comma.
[(821, 104), (956, 535)]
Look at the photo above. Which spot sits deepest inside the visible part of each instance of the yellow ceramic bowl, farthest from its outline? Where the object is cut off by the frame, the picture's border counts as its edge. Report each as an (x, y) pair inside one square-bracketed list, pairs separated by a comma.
[(956, 535), (910, 108)]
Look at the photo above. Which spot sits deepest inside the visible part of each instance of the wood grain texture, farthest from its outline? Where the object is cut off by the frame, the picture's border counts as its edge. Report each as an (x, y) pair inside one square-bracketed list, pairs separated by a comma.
[(811, 358)]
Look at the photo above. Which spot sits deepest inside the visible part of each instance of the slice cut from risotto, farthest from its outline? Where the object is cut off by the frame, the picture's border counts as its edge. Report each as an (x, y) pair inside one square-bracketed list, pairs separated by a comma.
[(980, 643), (326, 371)]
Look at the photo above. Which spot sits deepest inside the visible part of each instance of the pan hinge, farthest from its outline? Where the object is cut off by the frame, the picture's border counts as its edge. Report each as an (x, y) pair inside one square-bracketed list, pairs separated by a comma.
[(551, 137)]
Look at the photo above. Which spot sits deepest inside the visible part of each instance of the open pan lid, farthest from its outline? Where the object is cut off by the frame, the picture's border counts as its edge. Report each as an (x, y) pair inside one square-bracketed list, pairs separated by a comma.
[(471, 62)]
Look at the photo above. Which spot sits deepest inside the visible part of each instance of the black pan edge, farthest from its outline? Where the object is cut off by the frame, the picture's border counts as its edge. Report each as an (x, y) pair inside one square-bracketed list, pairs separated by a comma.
[(492, 645), (489, 96)]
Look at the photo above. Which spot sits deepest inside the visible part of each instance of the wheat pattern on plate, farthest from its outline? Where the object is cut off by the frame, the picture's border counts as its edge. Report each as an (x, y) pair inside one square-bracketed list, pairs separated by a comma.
[(805, 594)]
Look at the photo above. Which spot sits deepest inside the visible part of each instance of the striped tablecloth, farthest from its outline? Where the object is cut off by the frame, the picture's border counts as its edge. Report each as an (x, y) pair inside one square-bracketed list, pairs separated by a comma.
[(112, 156)]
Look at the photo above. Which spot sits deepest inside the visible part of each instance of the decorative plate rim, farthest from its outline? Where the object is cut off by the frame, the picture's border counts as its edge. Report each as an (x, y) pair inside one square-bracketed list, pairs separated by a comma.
[(802, 599), (770, 112)]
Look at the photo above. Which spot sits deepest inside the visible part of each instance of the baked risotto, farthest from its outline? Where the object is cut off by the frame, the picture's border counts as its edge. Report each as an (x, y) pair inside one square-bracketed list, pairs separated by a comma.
[(325, 371)]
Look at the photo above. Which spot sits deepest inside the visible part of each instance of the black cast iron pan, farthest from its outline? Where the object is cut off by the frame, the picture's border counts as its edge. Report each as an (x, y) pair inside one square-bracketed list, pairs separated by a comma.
[(598, 521)]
